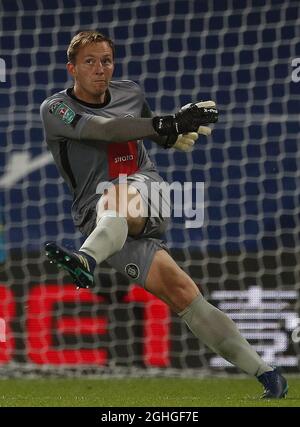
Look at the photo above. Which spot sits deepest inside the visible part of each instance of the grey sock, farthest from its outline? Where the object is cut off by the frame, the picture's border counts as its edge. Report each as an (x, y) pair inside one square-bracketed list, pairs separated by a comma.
[(221, 335), (107, 238)]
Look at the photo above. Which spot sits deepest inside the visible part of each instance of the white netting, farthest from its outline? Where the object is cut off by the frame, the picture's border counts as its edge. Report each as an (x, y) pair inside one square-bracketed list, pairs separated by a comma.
[(245, 257)]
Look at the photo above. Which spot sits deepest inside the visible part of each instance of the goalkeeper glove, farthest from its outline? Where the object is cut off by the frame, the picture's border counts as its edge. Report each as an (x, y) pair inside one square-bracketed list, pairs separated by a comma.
[(186, 141), (188, 119)]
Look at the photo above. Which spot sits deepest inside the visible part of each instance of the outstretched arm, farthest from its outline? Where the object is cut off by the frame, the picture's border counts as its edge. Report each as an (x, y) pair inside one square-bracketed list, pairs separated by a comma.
[(117, 129), (63, 121)]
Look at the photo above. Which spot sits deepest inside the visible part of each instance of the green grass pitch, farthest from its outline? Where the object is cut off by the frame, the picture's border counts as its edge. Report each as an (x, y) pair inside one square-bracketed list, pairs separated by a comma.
[(147, 392)]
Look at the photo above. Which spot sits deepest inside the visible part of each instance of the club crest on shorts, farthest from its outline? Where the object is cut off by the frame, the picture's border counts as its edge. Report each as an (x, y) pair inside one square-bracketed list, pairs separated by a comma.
[(132, 270)]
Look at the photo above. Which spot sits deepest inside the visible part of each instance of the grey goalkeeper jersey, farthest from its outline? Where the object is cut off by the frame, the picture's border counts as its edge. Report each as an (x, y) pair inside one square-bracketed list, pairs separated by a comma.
[(82, 162)]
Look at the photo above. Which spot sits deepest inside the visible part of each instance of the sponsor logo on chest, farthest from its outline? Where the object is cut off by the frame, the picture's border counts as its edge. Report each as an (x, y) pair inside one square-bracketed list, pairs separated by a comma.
[(124, 158)]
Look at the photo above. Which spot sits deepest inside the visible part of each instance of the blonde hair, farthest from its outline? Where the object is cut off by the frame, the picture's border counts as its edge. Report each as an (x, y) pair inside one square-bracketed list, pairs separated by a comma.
[(85, 38)]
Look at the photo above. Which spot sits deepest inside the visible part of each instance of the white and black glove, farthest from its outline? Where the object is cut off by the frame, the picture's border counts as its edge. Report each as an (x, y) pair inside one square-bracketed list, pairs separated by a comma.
[(188, 120), (186, 141)]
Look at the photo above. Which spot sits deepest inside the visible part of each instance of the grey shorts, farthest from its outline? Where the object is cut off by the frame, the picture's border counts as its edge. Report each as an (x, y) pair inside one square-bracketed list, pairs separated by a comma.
[(156, 204), (135, 258)]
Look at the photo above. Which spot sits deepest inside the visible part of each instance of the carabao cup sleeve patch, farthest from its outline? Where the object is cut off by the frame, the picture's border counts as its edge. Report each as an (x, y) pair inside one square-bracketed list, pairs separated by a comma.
[(65, 113)]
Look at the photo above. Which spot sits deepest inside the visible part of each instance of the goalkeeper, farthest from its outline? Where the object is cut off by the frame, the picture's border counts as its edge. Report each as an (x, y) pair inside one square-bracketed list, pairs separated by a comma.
[(94, 130)]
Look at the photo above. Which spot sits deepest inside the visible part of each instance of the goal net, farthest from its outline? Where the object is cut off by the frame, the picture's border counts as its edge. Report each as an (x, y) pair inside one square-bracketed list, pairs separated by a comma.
[(245, 257)]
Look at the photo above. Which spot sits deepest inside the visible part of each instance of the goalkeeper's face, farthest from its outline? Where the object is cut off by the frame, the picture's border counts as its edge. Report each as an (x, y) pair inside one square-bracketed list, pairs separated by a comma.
[(92, 72)]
